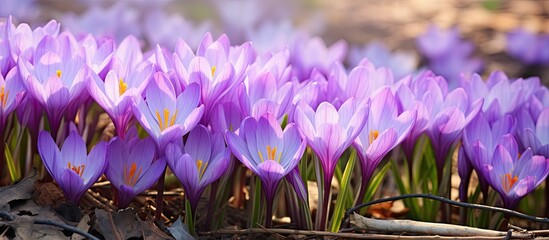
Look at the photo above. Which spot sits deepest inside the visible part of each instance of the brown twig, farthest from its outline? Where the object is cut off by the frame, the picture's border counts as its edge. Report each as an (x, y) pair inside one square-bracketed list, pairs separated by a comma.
[(417, 227), (113, 226), (331, 234)]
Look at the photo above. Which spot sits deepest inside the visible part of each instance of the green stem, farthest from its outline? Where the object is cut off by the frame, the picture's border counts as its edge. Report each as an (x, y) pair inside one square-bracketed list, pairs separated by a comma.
[(189, 217)]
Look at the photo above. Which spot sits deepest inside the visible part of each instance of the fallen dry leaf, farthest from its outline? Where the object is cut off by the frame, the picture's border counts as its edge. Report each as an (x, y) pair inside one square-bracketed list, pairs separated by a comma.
[(126, 224), (385, 210), (83, 225), (19, 191)]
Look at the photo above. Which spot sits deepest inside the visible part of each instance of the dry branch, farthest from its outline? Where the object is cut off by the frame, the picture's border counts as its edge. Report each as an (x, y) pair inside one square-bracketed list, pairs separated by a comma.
[(410, 226)]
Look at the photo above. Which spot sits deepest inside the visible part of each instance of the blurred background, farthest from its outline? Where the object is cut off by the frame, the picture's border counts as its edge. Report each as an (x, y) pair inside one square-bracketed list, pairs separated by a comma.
[(386, 31)]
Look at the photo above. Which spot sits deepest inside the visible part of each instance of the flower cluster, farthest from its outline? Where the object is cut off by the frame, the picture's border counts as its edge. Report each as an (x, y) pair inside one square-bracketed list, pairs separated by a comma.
[(199, 106)]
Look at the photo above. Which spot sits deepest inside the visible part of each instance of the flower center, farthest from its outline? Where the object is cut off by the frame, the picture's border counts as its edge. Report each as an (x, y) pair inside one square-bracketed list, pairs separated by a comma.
[(3, 96), (201, 167), (122, 86), (213, 70), (77, 169), (130, 178), (271, 154), (507, 181), (373, 136), (164, 120), (58, 73)]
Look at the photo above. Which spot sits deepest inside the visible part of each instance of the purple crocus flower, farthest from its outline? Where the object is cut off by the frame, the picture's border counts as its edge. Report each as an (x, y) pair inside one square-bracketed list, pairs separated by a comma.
[(448, 55), (132, 168), (164, 115), (528, 47), (73, 169), (116, 94), (514, 175), (98, 54), (55, 78), (401, 63), (534, 135), (12, 92), (269, 152), (485, 136), (501, 94), (329, 132), (217, 67), (385, 128), (22, 40), (198, 162), (312, 53), (448, 114)]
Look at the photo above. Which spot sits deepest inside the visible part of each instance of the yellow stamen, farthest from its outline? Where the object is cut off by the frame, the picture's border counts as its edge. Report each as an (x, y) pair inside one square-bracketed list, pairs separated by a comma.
[(3, 96), (508, 182), (166, 117), (58, 73), (130, 178), (213, 70), (373, 136), (260, 156), (164, 120), (200, 167), (122, 86), (271, 154), (78, 170)]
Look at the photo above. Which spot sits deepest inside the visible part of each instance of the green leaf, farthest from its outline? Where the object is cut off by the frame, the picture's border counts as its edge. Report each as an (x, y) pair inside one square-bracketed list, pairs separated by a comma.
[(256, 205), (374, 183), (189, 218), (410, 203), (343, 197), (15, 174)]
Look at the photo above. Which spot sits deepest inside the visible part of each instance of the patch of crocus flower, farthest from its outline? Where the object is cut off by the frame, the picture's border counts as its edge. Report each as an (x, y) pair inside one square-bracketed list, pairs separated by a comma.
[(200, 105)]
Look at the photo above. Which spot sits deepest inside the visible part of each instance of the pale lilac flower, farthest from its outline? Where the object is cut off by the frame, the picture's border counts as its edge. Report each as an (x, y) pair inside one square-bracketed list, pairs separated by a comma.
[(385, 128), (164, 115), (269, 152), (116, 94), (56, 78)]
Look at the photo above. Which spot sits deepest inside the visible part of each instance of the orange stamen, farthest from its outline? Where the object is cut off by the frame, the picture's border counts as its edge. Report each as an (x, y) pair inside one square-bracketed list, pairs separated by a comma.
[(130, 178), (58, 73), (373, 136), (78, 170), (508, 181), (3, 96)]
